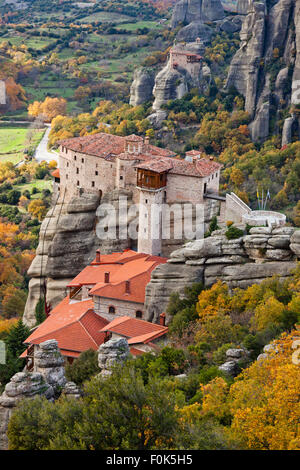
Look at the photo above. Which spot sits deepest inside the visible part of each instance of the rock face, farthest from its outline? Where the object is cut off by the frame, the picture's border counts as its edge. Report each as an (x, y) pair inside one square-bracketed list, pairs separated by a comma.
[(49, 362), (114, 351), (266, 68), (240, 263), (188, 11), (142, 86), (67, 243)]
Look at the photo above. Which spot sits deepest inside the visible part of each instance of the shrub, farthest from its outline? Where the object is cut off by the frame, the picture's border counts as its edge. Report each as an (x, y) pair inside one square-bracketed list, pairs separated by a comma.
[(233, 232), (83, 368)]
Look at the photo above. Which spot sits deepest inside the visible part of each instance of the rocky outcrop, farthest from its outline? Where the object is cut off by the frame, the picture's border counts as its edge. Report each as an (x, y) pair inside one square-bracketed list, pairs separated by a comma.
[(67, 244), (239, 262), (233, 358), (188, 11), (22, 385), (46, 379), (49, 362), (174, 83), (142, 86), (71, 390), (114, 351), (266, 68), (242, 7)]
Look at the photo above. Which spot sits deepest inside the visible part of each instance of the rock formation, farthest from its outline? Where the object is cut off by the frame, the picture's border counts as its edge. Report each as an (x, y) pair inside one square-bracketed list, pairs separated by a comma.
[(233, 357), (188, 11), (46, 379), (174, 82), (266, 68), (49, 362), (22, 385), (114, 351), (68, 242), (239, 262), (142, 86)]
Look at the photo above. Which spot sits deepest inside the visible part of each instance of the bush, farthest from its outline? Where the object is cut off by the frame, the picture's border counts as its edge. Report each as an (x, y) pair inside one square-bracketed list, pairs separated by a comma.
[(233, 232), (83, 368)]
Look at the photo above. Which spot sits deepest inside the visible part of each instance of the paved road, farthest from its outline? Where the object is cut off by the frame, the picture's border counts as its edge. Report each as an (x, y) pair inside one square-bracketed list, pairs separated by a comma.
[(42, 153)]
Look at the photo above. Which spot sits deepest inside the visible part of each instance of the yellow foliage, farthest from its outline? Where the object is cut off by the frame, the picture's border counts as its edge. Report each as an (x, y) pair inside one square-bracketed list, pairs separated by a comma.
[(265, 401)]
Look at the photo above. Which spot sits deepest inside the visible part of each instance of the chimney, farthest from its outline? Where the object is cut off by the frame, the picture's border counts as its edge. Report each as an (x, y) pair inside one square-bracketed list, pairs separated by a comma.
[(147, 140), (98, 256), (162, 319), (211, 157), (127, 287), (106, 277)]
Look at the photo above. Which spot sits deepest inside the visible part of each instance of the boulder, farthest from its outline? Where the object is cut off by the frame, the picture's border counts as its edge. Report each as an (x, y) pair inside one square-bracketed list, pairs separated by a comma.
[(111, 353)]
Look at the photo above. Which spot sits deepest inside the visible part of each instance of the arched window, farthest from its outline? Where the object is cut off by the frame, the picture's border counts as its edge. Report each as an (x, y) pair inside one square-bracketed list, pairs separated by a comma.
[(139, 314), (111, 309)]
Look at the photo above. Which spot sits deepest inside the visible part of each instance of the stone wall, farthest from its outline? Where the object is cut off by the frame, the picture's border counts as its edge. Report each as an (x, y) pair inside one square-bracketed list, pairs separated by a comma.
[(240, 263), (122, 308)]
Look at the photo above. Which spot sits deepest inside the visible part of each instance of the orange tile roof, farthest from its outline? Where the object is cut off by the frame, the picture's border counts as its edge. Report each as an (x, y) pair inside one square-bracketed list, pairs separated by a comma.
[(127, 266), (137, 271), (105, 145), (199, 168), (74, 325), (55, 173), (138, 331)]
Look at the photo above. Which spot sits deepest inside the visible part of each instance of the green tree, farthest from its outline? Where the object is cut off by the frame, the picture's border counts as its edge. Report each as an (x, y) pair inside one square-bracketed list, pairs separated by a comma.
[(84, 368)]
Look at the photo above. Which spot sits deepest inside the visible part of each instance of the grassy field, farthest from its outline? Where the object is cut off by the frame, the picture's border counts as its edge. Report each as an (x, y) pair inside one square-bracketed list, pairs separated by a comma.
[(38, 184), (138, 25), (105, 17), (13, 141)]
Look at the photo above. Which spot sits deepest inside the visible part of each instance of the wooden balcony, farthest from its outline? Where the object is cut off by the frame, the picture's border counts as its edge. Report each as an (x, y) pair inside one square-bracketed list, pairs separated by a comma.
[(151, 180)]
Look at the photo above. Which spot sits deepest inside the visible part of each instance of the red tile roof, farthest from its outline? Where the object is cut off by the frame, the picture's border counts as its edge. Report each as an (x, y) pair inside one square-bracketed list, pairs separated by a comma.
[(74, 325), (104, 145), (55, 173), (156, 159), (127, 266), (136, 330)]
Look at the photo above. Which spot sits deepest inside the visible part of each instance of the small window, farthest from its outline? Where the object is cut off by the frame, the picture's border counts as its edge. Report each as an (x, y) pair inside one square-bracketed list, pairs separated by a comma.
[(78, 184), (67, 163), (139, 314), (121, 177), (67, 176), (77, 171), (93, 184), (75, 158), (111, 309), (96, 173), (146, 201), (82, 160)]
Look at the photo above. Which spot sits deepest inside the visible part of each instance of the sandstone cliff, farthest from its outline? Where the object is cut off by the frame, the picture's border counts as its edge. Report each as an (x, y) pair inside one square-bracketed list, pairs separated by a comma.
[(266, 68), (239, 263), (67, 243), (188, 11), (142, 86)]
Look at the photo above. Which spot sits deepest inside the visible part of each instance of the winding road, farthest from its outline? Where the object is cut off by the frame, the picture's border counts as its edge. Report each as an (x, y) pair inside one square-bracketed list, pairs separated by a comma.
[(42, 153)]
